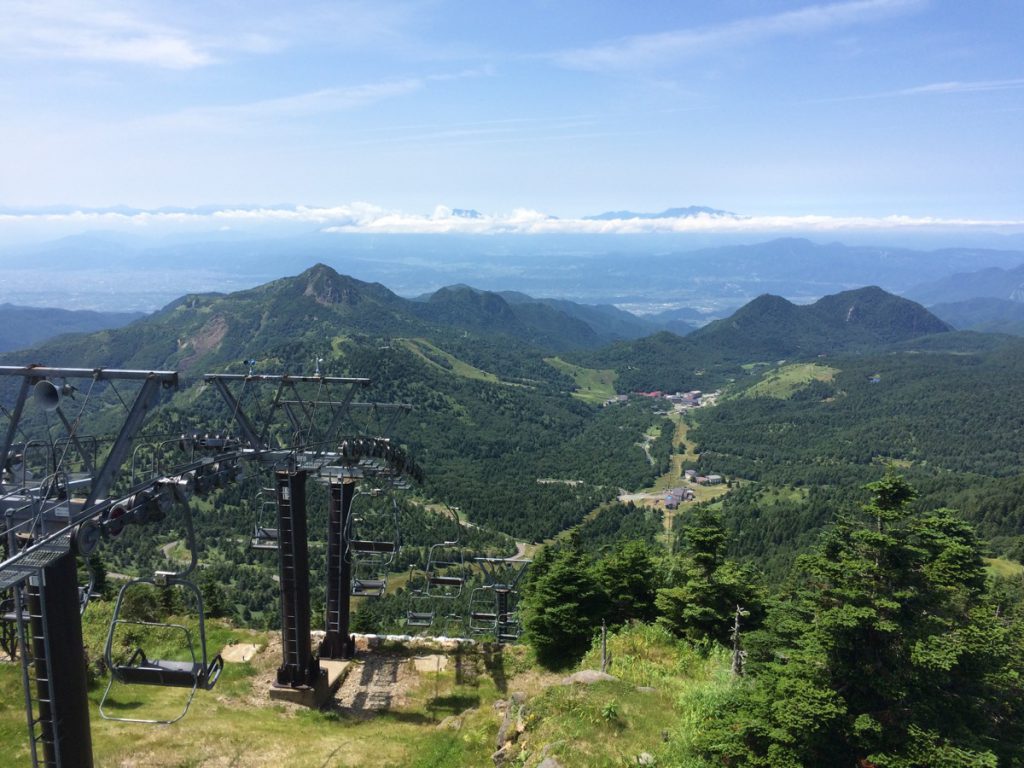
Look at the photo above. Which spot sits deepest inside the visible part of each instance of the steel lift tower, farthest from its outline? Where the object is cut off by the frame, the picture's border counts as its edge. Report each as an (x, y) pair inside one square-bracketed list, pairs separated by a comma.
[(50, 514), (298, 434)]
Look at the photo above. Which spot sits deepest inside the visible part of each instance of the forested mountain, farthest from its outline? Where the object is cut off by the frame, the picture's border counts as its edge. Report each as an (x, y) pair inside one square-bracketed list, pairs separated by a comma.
[(202, 330), (986, 314), (495, 424), (23, 327), (771, 327), (767, 329), (991, 282), (488, 313), (949, 418), (501, 435)]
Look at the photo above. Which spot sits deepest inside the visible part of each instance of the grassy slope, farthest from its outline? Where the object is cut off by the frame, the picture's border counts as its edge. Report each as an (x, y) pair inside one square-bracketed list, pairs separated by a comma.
[(784, 381), (999, 566), (429, 353), (656, 706), (237, 725), (593, 385)]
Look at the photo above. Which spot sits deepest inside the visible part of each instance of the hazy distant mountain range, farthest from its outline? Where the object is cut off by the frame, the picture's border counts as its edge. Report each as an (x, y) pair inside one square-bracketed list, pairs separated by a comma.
[(668, 213), (23, 327), (989, 282), (213, 329), (645, 273), (984, 314)]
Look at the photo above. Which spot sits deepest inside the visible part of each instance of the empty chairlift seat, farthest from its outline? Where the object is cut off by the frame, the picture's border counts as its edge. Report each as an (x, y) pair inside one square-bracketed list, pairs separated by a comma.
[(371, 541), (139, 670), (192, 669)]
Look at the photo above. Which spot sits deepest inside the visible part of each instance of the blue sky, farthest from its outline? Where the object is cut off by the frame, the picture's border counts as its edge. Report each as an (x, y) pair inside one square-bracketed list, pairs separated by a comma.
[(850, 110)]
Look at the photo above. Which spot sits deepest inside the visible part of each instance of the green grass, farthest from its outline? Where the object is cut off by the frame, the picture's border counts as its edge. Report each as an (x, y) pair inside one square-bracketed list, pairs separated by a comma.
[(664, 693), (593, 385), (783, 493), (236, 724), (999, 566), (663, 689), (438, 358), (783, 382)]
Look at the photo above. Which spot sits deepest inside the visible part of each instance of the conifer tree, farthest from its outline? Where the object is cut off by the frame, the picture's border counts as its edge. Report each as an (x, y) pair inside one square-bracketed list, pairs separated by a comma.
[(885, 652), (630, 579), (562, 607), (706, 588)]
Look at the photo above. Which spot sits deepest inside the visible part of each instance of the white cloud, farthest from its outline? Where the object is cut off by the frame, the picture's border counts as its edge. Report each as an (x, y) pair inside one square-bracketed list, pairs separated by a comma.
[(90, 31), (296, 106), (935, 89), (355, 218), (646, 50), (531, 222), (955, 86), (235, 117)]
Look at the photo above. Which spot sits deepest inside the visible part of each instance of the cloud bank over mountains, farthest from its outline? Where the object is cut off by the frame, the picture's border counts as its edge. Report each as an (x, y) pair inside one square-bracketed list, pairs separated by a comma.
[(355, 218)]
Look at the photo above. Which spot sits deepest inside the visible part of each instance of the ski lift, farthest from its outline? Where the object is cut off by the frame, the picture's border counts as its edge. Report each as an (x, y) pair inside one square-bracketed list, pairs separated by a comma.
[(509, 627), (419, 619), (442, 577), (483, 611), (195, 672), (446, 566), (493, 608), (416, 587), (264, 536), (371, 541)]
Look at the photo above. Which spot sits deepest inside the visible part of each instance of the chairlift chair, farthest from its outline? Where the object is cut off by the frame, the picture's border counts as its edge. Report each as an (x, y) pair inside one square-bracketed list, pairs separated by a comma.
[(446, 565), (494, 607), (416, 587), (483, 611), (138, 669), (420, 619), (371, 543), (509, 627), (265, 537)]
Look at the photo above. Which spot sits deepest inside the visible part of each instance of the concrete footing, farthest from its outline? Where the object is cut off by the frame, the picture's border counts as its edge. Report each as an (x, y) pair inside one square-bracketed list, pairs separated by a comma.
[(313, 696), (317, 695)]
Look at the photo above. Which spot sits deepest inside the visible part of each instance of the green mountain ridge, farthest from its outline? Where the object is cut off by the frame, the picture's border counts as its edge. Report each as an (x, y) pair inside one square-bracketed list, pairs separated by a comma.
[(767, 329), (22, 327), (771, 327), (984, 313), (991, 282)]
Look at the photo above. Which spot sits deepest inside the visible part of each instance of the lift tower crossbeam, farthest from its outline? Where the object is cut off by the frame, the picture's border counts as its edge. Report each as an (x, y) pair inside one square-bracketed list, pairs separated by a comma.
[(44, 527)]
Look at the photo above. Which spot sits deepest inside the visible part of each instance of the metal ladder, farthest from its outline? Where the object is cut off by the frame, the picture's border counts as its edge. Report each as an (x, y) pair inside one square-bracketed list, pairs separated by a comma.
[(287, 565), (36, 674), (335, 568)]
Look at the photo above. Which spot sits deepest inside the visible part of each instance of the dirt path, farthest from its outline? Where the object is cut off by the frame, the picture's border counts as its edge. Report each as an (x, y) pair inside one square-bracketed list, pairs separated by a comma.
[(375, 684), (520, 551)]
